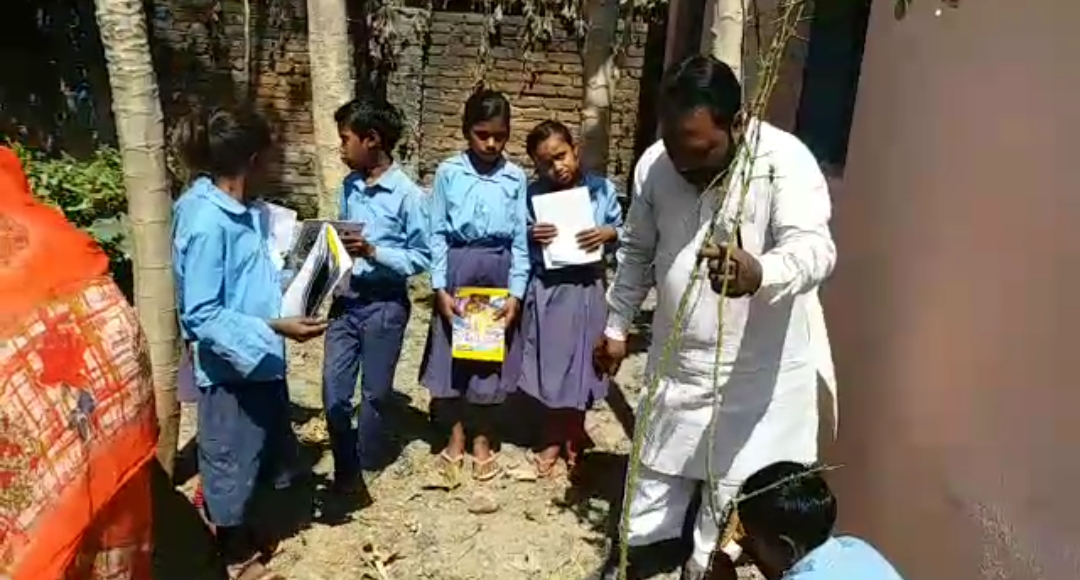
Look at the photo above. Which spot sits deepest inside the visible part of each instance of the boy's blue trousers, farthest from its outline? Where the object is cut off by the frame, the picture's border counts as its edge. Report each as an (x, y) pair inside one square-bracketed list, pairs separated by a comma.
[(364, 338)]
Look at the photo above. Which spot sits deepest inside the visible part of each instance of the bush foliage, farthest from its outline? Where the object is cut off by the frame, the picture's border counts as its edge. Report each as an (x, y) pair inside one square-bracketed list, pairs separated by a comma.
[(91, 194)]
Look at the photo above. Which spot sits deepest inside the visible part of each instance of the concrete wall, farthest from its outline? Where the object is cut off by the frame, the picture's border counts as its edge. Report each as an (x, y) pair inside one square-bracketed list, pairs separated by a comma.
[(953, 309)]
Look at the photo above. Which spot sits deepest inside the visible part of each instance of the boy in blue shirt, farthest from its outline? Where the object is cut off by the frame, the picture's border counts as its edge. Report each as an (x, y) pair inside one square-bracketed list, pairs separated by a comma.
[(229, 302), (787, 520), (369, 314)]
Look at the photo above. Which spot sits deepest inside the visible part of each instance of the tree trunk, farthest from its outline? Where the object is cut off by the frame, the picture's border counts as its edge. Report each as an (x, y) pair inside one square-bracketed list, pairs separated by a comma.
[(141, 135), (599, 61), (725, 36), (332, 85)]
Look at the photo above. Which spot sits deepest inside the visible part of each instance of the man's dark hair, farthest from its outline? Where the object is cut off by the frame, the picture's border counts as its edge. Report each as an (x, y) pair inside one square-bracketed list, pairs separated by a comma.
[(363, 116), (802, 508), (702, 81)]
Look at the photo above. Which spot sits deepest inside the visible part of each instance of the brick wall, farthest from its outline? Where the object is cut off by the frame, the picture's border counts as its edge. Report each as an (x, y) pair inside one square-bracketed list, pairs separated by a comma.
[(199, 53), (543, 85)]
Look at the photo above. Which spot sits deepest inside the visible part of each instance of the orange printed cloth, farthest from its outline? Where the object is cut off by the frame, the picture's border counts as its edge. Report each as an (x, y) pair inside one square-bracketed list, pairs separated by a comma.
[(77, 423)]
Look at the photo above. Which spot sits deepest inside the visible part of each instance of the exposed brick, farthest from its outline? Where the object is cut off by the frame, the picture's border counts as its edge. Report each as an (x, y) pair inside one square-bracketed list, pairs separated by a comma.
[(434, 76)]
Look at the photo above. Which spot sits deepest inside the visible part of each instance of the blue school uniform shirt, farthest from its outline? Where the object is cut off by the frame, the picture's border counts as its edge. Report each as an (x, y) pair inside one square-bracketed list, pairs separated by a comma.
[(843, 558), (468, 208), (395, 216), (227, 288), (605, 206)]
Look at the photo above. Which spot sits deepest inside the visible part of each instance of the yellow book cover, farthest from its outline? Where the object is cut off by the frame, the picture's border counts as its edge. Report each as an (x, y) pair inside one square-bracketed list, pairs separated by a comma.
[(476, 333)]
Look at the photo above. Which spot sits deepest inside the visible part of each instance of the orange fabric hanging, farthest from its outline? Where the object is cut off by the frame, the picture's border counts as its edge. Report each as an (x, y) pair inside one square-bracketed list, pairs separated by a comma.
[(41, 254), (77, 424)]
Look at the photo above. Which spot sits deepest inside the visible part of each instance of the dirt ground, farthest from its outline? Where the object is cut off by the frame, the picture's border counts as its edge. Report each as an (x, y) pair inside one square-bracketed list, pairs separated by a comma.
[(541, 531)]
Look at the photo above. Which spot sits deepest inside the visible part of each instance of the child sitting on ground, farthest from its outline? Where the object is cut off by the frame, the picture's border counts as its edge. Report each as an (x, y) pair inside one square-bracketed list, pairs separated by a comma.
[(787, 517)]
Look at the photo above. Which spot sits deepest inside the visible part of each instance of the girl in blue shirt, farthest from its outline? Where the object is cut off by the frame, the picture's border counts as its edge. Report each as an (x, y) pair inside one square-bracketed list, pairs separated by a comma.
[(478, 238), (229, 300), (565, 311)]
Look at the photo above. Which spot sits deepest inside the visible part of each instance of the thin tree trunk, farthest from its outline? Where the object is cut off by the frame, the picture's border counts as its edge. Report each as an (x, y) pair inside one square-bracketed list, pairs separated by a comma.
[(332, 85), (141, 134), (599, 65), (726, 33)]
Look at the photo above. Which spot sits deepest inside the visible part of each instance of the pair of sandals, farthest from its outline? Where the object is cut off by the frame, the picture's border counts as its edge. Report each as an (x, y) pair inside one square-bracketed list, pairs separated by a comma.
[(482, 469), (539, 468)]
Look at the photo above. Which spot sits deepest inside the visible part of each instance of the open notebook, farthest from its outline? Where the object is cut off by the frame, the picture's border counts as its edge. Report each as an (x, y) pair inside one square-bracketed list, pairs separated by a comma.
[(324, 266)]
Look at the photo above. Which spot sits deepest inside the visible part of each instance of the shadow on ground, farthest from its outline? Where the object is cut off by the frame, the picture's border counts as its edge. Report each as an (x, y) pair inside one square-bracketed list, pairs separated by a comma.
[(183, 547)]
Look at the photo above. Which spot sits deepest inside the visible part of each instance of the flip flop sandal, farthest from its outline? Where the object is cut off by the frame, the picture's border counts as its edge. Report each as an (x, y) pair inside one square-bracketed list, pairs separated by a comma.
[(546, 469), (253, 570), (446, 462), (486, 469), (534, 470)]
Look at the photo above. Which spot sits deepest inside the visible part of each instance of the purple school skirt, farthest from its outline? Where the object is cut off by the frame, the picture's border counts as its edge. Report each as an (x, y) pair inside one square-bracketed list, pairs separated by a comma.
[(186, 391), (482, 383), (564, 315)]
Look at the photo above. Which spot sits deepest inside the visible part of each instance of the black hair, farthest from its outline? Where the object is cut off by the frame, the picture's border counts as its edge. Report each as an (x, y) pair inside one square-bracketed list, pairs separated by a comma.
[(365, 115), (484, 105), (544, 131), (702, 81), (801, 508), (221, 141)]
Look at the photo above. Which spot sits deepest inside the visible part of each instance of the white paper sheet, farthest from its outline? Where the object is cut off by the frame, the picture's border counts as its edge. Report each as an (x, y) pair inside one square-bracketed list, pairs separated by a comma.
[(570, 211), (325, 266), (281, 228)]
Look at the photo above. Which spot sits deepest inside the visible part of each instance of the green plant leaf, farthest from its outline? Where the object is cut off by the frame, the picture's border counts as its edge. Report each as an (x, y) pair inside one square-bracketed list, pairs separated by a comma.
[(90, 193)]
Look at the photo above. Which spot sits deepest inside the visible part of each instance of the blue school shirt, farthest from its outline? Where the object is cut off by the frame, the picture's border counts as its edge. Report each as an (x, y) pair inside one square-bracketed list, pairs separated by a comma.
[(395, 217), (468, 208), (843, 558), (605, 206), (227, 288)]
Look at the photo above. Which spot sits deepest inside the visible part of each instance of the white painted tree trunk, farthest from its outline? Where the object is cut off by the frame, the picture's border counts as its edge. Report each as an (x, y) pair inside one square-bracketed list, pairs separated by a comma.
[(724, 38), (600, 71), (332, 85), (141, 134)]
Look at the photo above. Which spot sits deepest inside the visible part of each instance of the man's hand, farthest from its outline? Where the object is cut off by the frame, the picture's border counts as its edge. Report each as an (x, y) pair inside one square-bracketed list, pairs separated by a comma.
[(594, 238), (299, 328), (543, 234), (509, 311), (608, 356), (741, 270), (356, 245), (446, 306)]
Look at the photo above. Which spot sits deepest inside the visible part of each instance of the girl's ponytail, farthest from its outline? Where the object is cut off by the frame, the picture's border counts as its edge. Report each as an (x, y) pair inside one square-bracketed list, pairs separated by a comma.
[(191, 140), (220, 141)]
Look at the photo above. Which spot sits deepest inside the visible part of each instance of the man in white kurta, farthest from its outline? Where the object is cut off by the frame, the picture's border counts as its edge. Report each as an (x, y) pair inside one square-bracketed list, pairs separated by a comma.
[(764, 390)]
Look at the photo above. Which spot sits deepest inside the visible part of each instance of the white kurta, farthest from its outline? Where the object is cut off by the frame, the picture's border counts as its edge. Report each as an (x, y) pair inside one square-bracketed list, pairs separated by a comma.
[(773, 345)]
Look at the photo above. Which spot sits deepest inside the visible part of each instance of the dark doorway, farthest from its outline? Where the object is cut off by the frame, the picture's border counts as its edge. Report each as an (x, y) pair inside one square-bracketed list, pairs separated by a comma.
[(831, 79)]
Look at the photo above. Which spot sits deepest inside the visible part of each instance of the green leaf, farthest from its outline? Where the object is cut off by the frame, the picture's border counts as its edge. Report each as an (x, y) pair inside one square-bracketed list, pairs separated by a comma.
[(89, 192)]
